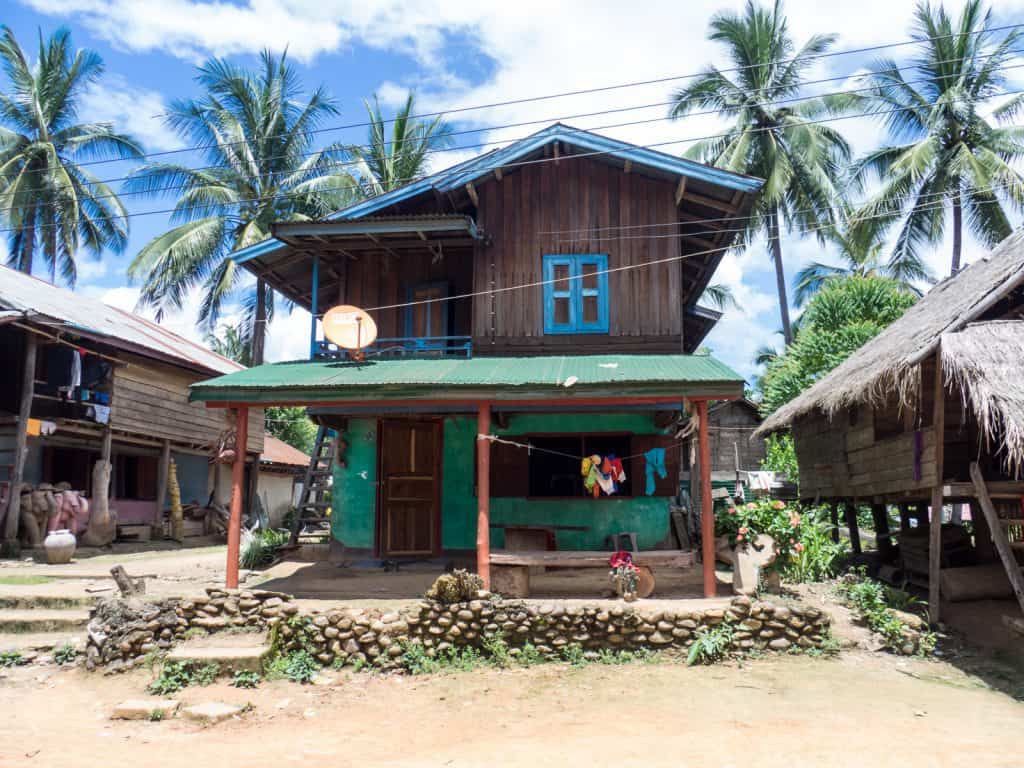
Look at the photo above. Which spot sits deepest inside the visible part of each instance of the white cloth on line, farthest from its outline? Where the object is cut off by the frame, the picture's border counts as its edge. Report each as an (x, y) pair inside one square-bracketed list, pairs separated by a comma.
[(761, 481)]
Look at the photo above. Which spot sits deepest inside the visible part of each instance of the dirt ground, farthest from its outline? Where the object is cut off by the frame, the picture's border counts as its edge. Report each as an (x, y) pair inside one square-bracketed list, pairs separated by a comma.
[(860, 709)]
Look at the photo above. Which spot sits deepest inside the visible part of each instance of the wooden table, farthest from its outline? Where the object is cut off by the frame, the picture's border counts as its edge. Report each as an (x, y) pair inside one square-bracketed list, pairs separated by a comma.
[(510, 571)]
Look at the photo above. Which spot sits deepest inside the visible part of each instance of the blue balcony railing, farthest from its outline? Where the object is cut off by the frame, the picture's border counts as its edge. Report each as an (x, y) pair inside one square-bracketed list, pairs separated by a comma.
[(411, 346)]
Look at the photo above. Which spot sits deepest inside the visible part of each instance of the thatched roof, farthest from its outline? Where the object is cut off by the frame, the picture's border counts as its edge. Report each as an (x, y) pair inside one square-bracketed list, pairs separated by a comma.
[(986, 360), (890, 362)]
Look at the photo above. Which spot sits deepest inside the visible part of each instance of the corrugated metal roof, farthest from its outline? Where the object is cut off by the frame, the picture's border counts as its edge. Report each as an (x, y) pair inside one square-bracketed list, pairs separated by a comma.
[(450, 378), (279, 452), (29, 295)]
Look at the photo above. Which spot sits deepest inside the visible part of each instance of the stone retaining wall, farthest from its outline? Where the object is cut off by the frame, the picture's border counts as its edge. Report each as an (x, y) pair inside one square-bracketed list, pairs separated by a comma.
[(122, 632)]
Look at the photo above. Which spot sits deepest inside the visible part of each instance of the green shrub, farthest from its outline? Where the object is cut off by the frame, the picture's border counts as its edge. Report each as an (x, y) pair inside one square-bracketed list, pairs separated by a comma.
[(497, 652), (259, 548), (710, 644), (12, 659), (870, 600), (818, 558), (573, 653), (780, 456), (173, 677), (298, 666), (65, 654), (529, 656), (246, 679)]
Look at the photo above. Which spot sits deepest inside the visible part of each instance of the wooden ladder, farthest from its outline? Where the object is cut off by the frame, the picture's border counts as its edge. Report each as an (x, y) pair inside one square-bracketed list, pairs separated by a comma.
[(996, 527), (314, 499)]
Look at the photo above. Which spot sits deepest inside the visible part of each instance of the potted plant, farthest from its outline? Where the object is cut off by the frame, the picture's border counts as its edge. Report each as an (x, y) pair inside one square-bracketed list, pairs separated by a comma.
[(760, 534), (624, 575)]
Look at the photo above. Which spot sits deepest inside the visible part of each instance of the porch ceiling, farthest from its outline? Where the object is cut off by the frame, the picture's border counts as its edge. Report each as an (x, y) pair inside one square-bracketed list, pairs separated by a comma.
[(288, 269), (620, 378)]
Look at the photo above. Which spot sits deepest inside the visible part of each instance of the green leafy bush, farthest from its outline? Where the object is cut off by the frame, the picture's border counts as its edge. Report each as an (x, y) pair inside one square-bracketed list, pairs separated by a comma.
[(176, 675), (246, 679), (65, 654), (818, 558), (710, 644), (780, 456), (745, 522), (869, 599), (259, 548), (12, 659), (298, 666)]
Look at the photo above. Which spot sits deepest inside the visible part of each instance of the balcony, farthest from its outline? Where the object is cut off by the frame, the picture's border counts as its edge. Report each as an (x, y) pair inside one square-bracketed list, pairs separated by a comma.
[(409, 346)]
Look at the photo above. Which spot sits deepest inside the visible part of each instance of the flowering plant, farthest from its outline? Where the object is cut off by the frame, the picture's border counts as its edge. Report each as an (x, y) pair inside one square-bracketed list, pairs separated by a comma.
[(623, 573), (743, 523)]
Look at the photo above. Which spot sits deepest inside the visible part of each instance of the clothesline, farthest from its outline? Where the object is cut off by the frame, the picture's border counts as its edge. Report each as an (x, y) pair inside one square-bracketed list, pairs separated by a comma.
[(531, 447)]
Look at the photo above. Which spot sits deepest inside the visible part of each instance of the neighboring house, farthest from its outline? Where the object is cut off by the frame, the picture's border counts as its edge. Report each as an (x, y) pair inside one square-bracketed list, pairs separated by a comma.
[(546, 294), (103, 383), (904, 418), (733, 445), (281, 471)]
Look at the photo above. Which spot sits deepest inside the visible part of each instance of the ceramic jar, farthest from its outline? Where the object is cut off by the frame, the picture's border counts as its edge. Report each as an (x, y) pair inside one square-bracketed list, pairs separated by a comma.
[(59, 546)]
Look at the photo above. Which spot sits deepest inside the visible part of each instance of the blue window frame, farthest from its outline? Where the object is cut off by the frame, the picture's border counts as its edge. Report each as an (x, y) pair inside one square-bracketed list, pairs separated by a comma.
[(576, 293)]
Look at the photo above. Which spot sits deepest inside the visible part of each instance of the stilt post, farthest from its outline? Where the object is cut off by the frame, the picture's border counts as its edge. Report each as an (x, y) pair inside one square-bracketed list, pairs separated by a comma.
[(28, 379), (935, 529), (707, 504), (237, 490), (483, 494)]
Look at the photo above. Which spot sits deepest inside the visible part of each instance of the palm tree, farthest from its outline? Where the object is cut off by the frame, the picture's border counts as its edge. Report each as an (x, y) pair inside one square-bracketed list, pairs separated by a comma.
[(48, 200), (383, 165), (946, 155), (798, 160), (257, 135), (720, 296), (233, 343), (861, 245)]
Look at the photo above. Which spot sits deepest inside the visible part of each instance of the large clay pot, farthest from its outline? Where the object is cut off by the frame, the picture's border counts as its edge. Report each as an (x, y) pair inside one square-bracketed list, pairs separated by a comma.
[(60, 547)]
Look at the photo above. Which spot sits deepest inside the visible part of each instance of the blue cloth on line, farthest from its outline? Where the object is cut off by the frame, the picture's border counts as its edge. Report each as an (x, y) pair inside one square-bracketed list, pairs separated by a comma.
[(654, 461)]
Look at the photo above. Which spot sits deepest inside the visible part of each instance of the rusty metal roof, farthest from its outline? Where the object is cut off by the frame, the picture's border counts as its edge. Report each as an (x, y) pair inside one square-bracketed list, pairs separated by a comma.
[(59, 309)]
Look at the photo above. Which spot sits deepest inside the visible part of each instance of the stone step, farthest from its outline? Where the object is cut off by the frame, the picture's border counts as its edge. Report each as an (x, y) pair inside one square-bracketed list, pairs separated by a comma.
[(41, 641), (230, 659), (14, 601), (36, 620)]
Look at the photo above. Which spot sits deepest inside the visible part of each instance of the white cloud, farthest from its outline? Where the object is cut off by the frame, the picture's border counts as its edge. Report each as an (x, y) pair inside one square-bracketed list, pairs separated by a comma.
[(135, 111)]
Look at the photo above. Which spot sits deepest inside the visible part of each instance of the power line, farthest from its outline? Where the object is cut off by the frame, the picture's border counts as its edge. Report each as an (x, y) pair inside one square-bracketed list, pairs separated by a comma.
[(480, 145), (504, 166), (605, 88), (610, 270)]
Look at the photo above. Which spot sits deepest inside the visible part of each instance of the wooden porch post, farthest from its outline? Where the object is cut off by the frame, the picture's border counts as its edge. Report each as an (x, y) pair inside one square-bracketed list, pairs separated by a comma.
[(834, 519), (707, 504), (850, 510), (883, 537), (483, 494), (28, 378), (237, 483), (162, 471), (935, 529)]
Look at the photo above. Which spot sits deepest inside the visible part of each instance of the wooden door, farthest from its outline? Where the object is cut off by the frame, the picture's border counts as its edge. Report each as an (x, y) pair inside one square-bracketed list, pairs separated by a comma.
[(410, 498), (428, 319)]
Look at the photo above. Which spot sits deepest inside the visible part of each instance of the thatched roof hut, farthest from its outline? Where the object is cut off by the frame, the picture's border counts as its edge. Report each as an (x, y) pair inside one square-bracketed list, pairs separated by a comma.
[(985, 359)]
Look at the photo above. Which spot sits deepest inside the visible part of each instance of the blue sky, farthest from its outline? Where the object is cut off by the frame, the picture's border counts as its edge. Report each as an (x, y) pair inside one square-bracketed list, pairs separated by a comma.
[(453, 54)]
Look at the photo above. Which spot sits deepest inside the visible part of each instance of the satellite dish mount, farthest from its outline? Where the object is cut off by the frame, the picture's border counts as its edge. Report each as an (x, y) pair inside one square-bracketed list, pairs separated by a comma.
[(351, 328)]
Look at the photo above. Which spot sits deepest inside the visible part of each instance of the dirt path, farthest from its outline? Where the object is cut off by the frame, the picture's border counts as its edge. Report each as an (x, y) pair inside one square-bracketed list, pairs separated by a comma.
[(781, 711)]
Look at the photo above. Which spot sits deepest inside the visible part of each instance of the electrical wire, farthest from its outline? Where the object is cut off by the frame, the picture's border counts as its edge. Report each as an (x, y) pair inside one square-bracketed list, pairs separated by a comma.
[(603, 89), (337, 164), (504, 166)]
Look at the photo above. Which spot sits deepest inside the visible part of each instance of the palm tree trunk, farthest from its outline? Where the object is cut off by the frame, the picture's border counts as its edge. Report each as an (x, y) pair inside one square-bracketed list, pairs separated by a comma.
[(780, 275), (259, 327), (958, 232), (29, 245)]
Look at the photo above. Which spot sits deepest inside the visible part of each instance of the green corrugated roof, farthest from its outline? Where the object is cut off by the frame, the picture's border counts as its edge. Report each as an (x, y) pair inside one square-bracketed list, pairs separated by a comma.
[(458, 378)]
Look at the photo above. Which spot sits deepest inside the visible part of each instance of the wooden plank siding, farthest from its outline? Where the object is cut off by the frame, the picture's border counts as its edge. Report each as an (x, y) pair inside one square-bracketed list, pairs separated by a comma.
[(150, 400), (526, 215)]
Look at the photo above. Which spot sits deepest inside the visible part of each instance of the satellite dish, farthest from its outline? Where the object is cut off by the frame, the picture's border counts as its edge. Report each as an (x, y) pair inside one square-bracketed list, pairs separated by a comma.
[(349, 327)]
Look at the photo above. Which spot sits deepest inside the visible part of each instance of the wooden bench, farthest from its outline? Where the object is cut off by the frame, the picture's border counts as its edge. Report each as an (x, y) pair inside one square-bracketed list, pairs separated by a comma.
[(510, 571)]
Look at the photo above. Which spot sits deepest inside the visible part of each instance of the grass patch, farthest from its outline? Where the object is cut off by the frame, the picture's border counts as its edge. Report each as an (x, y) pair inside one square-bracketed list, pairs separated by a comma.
[(872, 602), (65, 654), (244, 679), (298, 666), (710, 644), (12, 659), (24, 581)]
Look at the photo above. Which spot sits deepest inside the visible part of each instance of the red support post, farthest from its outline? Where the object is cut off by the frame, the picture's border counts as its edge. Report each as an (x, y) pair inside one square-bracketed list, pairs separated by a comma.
[(707, 514), (483, 494), (237, 484)]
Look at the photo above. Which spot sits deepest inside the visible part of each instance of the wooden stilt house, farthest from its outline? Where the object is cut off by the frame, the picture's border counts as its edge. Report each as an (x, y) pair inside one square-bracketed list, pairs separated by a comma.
[(929, 413)]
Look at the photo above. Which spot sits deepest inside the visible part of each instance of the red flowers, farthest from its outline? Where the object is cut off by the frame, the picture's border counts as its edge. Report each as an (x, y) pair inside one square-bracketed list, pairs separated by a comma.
[(622, 559)]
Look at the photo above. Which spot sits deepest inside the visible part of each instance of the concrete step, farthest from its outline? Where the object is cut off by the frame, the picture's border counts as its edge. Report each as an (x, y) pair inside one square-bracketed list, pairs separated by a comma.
[(231, 658), (41, 641), (32, 620), (11, 600)]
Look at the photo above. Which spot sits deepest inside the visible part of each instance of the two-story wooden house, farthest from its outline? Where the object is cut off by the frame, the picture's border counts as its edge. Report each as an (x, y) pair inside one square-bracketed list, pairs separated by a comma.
[(536, 306)]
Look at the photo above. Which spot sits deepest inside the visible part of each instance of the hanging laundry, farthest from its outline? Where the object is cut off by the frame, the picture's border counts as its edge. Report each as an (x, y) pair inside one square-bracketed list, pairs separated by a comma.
[(617, 472), (590, 468), (101, 413), (654, 462)]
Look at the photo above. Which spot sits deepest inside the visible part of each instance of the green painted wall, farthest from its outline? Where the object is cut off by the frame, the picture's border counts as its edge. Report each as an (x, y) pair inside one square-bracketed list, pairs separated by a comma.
[(352, 519), (354, 493)]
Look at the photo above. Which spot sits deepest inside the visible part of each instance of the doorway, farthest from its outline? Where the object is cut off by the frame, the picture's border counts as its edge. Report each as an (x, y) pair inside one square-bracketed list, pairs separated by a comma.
[(410, 489)]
